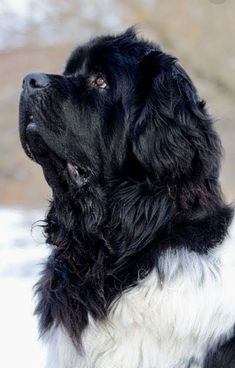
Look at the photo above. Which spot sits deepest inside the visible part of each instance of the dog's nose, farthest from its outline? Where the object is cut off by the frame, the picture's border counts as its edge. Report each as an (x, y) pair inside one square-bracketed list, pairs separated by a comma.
[(35, 81)]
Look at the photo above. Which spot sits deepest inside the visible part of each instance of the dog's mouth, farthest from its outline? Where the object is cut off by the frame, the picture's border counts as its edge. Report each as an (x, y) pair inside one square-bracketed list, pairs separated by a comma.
[(30, 125), (77, 174), (52, 162)]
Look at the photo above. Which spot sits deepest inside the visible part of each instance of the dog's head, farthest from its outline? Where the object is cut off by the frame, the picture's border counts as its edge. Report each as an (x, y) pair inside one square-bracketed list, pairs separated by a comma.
[(122, 110)]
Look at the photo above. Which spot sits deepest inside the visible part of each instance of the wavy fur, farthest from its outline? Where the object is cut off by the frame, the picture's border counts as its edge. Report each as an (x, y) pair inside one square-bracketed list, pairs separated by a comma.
[(154, 159)]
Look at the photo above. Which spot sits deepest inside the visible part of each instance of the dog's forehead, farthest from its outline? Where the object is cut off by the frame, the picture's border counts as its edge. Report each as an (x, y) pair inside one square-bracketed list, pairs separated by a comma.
[(84, 60), (93, 58), (105, 52)]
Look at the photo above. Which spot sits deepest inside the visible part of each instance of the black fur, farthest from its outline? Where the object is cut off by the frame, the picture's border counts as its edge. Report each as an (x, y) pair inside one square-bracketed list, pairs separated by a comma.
[(222, 357), (151, 159)]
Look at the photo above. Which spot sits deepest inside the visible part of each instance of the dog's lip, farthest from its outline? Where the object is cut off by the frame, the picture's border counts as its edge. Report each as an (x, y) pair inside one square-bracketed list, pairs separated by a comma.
[(72, 168), (30, 126), (29, 123), (77, 173)]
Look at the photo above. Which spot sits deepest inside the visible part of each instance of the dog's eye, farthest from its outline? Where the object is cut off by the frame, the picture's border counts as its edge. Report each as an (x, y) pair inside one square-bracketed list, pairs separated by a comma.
[(100, 82)]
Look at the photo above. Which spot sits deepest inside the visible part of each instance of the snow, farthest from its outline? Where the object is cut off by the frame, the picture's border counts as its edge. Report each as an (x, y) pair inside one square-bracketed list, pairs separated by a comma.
[(21, 253)]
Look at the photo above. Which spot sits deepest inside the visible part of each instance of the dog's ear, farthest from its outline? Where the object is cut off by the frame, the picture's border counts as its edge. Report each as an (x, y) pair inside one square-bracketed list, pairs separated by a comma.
[(173, 136)]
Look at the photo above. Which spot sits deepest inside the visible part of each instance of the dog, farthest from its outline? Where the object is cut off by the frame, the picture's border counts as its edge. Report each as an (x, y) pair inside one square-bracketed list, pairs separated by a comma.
[(142, 259)]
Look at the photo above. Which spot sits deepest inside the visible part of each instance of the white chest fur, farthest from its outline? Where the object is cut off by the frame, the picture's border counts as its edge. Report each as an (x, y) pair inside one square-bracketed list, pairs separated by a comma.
[(169, 323)]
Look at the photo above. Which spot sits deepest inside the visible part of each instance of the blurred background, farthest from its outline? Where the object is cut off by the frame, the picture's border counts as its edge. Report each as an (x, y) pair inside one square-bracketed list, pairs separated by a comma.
[(38, 35)]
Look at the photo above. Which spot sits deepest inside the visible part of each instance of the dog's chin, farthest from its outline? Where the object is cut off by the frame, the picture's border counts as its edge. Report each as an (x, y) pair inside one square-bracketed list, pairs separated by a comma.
[(58, 171)]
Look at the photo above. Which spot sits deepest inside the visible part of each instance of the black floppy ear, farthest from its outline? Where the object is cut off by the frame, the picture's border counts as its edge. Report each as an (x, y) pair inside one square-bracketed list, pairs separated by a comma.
[(173, 137)]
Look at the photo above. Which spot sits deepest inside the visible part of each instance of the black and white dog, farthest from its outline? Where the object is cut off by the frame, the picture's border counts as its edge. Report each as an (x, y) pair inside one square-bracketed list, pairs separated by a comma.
[(142, 266)]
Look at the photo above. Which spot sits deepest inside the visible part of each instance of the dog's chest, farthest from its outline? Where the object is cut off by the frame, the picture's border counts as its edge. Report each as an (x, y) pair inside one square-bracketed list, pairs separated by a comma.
[(168, 323)]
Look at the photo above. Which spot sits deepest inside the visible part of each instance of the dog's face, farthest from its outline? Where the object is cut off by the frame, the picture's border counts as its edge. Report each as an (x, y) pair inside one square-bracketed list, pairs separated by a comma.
[(76, 124), (121, 109)]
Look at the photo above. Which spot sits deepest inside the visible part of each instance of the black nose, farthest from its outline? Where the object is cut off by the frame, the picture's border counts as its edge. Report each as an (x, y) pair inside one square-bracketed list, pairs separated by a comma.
[(35, 81)]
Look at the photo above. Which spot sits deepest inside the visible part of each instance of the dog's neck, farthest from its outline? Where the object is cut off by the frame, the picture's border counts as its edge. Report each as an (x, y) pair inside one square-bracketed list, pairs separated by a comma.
[(126, 217), (106, 241)]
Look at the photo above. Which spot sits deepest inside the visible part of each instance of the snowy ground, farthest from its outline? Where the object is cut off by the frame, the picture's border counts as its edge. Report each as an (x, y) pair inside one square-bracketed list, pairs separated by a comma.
[(21, 253)]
